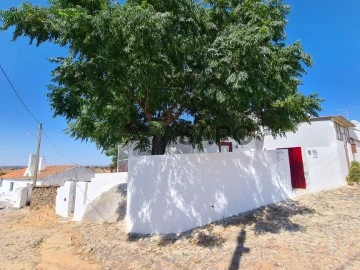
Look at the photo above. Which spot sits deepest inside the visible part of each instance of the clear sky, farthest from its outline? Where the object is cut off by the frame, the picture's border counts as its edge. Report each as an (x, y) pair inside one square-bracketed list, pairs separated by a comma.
[(328, 29)]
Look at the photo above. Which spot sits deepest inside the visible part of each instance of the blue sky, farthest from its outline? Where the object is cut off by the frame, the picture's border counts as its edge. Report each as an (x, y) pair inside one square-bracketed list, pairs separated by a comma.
[(329, 31)]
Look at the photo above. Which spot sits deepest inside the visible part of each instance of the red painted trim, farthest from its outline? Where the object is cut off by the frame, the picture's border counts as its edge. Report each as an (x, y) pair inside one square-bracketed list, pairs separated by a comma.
[(297, 168), (229, 144)]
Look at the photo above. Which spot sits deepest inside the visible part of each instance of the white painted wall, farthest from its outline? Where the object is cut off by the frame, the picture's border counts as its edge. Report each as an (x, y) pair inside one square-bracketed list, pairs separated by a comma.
[(357, 154), (316, 134), (87, 192), (355, 135), (12, 197), (174, 193), (20, 197), (325, 167), (63, 200)]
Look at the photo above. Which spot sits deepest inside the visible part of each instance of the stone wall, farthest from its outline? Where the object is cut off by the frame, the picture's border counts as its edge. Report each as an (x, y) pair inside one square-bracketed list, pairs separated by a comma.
[(43, 197)]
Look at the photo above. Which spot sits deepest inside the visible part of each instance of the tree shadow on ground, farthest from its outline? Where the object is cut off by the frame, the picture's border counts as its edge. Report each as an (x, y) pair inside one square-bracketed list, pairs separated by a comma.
[(272, 218)]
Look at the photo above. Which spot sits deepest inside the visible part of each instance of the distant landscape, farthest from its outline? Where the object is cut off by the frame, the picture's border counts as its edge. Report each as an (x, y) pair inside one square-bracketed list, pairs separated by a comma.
[(11, 167), (96, 169), (6, 169)]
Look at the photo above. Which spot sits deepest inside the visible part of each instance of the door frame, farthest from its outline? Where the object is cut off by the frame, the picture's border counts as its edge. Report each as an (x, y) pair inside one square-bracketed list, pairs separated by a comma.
[(295, 182), (229, 144)]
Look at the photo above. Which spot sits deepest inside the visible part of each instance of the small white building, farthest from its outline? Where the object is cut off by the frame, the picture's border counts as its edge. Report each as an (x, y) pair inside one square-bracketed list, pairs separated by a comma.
[(16, 186), (320, 152)]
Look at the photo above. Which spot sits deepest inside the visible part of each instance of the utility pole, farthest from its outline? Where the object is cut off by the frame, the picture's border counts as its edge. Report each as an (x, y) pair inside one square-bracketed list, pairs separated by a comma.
[(37, 156)]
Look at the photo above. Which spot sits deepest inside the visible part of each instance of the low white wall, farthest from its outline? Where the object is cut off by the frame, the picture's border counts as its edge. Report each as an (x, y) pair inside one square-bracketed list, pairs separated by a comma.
[(12, 197), (62, 199), (20, 197), (174, 193), (326, 167), (87, 192)]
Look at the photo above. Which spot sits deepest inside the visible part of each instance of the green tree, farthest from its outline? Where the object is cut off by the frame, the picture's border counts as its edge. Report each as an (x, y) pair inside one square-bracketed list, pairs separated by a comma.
[(169, 70), (112, 152)]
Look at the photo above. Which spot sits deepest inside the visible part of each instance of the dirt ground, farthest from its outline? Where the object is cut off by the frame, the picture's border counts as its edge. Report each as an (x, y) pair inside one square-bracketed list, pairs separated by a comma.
[(320, 231)]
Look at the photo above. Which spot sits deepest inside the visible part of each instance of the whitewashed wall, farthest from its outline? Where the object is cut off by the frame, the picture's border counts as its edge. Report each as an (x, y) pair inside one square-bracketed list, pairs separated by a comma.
[(174, 193), (350, 153), (13, 196), (316, 134), (20, 197), (355, 135), (357, 154), (63, 198), (325, 167), (87, 192)]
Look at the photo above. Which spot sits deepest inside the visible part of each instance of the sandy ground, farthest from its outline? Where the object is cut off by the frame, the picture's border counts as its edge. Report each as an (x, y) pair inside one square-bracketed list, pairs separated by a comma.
[(40, 240), (320, 231)]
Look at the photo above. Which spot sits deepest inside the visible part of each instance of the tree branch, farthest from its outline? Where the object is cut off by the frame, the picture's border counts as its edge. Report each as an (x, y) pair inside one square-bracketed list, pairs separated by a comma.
[(172, 117), (141, 105)]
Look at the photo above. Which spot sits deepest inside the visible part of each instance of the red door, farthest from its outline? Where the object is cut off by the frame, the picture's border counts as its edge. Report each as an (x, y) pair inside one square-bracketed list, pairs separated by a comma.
[(297, 168)]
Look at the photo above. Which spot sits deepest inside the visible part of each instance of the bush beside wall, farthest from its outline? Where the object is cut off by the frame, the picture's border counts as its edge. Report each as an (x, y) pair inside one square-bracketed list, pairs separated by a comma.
[(354, 173)]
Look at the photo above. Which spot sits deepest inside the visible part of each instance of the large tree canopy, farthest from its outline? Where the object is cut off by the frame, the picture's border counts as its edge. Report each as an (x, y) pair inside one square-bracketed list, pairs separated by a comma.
[(154, 71)]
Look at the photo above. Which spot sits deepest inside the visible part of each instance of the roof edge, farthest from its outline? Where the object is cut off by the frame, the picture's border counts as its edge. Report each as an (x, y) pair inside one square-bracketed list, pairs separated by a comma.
[(335, 118)]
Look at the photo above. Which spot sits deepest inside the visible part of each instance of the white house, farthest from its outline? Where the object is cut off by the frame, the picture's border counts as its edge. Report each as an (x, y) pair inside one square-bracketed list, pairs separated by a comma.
[(355, 140), (184, 189), (16, 183), (320, 152), (174, 193)]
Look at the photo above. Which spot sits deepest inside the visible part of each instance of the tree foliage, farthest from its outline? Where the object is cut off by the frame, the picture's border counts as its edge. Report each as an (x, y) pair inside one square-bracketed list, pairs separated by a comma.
[(170, 70)]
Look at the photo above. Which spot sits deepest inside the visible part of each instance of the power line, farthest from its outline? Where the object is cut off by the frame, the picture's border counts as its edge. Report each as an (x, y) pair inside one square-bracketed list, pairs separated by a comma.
[(33, 117), (53, 131), (18, 96), (66, 158)]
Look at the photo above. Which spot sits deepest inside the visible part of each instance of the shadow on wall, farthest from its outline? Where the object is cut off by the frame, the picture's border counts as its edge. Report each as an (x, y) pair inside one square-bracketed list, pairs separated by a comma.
[(175, 193), (121, 208), (272, 218)]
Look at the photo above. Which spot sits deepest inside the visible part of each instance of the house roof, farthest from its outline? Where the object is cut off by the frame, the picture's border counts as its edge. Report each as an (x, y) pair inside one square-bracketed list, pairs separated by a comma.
[(49, 171), (342, 121)]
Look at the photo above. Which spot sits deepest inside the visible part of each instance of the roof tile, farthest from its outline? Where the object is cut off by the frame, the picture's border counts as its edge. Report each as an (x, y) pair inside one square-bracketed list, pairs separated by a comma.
[(49, 171)]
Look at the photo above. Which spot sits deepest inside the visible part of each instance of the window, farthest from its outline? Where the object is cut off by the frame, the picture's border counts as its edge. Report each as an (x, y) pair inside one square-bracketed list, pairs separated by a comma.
[(11, 186), (342, 133), (353, 149)]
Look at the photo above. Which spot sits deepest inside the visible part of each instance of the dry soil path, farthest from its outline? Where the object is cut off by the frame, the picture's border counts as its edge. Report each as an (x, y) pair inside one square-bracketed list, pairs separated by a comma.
[(320, 231)]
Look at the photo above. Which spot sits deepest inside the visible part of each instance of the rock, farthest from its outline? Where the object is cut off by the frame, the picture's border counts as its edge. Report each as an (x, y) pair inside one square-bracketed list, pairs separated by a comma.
[(109, 207)]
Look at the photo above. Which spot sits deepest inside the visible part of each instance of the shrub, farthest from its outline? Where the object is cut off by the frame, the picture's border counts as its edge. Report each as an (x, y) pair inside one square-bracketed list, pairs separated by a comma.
[(354, 173)]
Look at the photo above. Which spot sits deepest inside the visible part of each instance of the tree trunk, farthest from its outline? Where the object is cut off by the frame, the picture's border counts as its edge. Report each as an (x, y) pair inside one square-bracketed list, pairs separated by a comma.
[(158, 146)]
